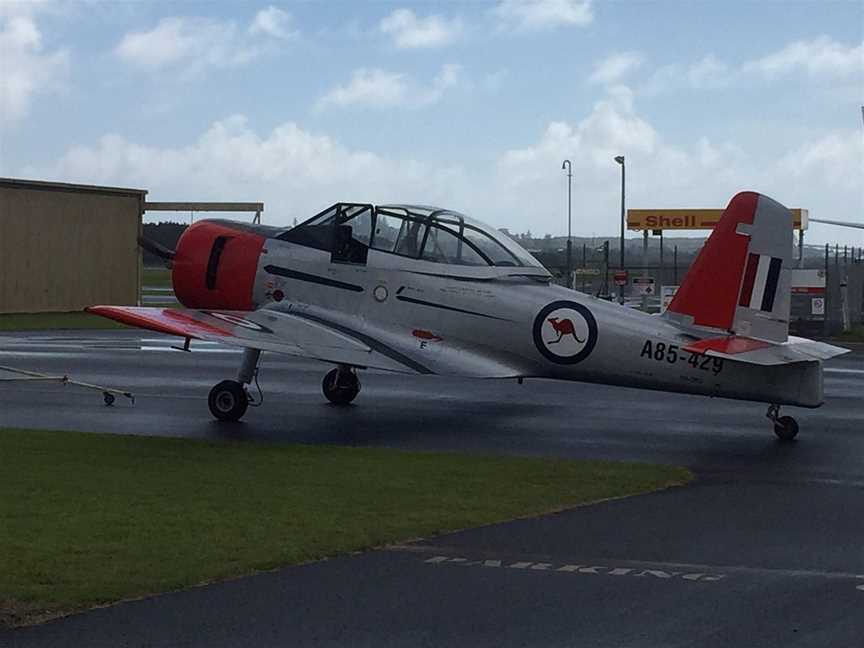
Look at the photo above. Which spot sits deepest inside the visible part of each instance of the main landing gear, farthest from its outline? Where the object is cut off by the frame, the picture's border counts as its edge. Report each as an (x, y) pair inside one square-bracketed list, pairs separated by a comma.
[(230, 399), (785, 427), (341, 385)]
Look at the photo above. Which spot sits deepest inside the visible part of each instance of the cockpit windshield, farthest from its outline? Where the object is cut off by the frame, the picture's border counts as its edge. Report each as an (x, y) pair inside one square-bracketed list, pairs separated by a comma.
[(427, 233)]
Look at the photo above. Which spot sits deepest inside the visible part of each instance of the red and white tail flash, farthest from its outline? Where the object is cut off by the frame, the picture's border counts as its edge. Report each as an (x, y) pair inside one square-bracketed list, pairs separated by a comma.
[(739, 283)]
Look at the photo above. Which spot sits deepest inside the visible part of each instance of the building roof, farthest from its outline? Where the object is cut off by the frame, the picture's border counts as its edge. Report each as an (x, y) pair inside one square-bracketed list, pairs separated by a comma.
[(20, 183)]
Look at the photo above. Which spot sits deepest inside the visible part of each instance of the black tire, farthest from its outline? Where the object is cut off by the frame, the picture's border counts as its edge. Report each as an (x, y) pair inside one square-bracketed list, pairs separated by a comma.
[(108, 397), (228, 401), (340, 387), (786, 428)]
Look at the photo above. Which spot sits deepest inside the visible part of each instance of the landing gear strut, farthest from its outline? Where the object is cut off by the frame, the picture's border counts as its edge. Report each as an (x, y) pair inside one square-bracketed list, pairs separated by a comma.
[(229, 399), (785, 427), (341, 385)]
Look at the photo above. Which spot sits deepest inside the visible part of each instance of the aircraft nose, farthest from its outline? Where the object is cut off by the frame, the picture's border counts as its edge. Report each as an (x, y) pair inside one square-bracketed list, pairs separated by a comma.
[(215, 266)]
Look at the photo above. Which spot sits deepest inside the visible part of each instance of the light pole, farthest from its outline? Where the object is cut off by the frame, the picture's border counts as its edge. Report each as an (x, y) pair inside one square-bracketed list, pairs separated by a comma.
[(620, 160), (567, 165)]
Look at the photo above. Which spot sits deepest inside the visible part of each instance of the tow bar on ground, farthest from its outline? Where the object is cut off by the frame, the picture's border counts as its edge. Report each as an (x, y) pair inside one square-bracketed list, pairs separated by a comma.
[(108, 393)]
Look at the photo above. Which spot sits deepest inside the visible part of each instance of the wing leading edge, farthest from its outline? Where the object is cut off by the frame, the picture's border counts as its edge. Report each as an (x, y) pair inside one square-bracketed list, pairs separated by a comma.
[(310, 334), (266, 331)]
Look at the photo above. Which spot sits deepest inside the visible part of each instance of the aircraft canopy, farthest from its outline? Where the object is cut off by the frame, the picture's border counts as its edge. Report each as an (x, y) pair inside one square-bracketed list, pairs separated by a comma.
[(414, 231)]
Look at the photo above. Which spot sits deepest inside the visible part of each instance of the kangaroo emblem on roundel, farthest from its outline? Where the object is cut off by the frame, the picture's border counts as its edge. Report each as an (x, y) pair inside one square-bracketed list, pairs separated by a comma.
[(564, 327), (565, 332)]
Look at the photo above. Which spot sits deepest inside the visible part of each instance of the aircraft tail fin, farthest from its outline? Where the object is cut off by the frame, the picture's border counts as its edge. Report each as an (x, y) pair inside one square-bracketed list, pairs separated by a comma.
[(739, 283)]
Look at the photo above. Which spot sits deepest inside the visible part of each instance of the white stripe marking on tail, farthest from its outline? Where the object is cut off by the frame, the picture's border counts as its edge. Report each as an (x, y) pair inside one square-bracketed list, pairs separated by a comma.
[(761, 280)]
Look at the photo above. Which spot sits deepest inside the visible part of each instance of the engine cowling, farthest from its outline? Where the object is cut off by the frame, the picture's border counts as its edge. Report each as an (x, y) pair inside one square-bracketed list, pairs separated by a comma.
[(215, 265)]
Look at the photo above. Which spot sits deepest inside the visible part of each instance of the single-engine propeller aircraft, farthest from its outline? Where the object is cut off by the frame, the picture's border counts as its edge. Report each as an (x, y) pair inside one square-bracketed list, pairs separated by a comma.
[(424, 290)]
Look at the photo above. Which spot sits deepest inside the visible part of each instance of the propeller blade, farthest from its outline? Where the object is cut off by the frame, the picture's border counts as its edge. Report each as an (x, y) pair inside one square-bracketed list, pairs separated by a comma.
[(156, 249)]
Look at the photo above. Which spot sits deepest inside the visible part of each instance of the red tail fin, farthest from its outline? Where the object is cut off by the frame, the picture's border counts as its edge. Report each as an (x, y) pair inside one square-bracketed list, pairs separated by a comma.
[(739, 282)]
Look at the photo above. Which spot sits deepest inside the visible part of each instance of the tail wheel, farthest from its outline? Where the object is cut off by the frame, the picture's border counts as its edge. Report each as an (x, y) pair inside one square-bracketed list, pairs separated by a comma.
[(786, 428), (340, 386), (228, 400)]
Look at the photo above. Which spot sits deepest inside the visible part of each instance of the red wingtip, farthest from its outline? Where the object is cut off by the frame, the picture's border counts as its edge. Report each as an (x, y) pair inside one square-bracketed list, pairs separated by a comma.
[(161, 320), (709, 292)]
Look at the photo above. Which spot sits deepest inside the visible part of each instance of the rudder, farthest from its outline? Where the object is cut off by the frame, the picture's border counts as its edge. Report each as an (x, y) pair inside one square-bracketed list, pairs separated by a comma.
[(739, 283)]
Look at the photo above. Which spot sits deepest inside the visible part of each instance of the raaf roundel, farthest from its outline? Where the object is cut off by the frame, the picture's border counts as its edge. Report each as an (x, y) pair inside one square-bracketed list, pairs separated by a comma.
[(424, 290)]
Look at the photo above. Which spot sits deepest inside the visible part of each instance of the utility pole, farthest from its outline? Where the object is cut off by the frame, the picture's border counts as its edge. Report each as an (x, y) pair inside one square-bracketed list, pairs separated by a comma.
[(644, 266), (660, 279), (620, 160), (584, 265), (569, 166), (675, 265), (801, 246), (605, 288)]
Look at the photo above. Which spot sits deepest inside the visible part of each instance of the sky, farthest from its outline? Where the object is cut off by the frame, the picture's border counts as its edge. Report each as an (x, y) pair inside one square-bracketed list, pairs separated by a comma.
[(467, 105)]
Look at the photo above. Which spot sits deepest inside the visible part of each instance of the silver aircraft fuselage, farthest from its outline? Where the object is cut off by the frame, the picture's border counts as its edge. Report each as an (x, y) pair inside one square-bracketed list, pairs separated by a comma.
[(490, 322)]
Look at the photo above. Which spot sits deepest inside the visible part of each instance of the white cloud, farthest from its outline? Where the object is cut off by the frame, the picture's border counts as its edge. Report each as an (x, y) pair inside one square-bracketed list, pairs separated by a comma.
[(274, 22), (710, 72), (371, 87), (26, 69), (706, 73), (381, 89), (837, 159), (410, 31), (191, 45), (823, 174), (612, 128), (295, 172), (615, 67), (543, 14), (821, 57)]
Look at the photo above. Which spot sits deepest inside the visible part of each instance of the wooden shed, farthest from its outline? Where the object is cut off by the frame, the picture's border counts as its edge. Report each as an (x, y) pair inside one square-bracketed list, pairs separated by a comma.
[(66, 246)]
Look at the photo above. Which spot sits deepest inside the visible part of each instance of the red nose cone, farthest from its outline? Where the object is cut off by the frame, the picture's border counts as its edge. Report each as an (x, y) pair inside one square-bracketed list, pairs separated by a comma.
[(215, 266)]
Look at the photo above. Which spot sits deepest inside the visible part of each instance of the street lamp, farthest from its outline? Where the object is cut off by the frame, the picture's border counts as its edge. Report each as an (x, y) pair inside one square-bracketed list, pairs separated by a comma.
[(620, 160), (567, 165)]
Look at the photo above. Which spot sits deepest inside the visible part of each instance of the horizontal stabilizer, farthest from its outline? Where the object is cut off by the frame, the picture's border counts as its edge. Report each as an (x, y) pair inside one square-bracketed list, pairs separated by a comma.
[(749, 350)]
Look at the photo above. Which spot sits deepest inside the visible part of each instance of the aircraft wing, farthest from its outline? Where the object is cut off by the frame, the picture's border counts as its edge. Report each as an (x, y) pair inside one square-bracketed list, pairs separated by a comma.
[(752, 351), (309, 335)]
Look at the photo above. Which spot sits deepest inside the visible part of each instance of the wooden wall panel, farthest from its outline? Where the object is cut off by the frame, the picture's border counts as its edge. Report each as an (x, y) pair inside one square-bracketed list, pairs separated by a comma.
[(64, 250)]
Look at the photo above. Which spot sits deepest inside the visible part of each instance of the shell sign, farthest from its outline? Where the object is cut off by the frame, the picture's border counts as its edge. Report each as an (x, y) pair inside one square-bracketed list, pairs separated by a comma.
[(690, 219)]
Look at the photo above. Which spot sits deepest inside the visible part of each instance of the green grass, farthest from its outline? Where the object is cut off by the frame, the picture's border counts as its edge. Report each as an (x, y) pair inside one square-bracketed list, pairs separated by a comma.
[(87, 519), (157, 278), (54, 321), (856, 334)]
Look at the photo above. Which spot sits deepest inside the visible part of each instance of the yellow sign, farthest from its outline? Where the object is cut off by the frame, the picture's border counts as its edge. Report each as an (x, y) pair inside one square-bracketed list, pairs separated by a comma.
[(690, 219)]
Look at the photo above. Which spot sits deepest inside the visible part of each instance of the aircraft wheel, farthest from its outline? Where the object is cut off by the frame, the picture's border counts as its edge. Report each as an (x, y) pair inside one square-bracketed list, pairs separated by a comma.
[(228, 400), (340, 386), (786, 428)]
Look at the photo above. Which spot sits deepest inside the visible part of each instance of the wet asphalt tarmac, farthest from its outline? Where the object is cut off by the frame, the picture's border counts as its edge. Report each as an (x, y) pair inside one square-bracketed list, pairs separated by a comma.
[(763, 549)]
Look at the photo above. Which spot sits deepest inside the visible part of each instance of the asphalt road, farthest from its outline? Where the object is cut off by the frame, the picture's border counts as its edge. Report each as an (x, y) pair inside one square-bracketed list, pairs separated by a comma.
[(764, 549)]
